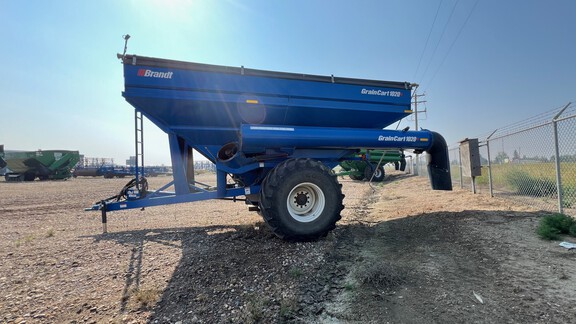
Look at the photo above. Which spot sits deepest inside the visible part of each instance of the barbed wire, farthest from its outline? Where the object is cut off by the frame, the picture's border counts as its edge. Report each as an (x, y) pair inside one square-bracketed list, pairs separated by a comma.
[(528, 123)]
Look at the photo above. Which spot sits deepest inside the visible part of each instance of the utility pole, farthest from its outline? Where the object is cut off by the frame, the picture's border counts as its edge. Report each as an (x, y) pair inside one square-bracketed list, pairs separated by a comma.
[(416, 102), (416, 111)]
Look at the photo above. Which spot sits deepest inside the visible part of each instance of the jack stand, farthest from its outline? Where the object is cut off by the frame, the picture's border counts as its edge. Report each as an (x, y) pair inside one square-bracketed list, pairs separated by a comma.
[(104, 220)]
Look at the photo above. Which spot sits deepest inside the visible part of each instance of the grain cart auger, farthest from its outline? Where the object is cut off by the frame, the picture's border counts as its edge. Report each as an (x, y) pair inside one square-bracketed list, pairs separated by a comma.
[(275, 135)]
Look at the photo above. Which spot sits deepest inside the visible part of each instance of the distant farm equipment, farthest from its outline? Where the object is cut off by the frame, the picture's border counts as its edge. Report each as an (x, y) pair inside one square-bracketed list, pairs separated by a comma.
[(105, 167), (106, 171), (41, 164), (2, 162), (369, 164)]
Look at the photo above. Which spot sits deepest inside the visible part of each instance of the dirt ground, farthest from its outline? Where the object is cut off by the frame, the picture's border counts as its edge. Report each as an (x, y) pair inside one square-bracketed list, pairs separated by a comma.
[(402, 253)]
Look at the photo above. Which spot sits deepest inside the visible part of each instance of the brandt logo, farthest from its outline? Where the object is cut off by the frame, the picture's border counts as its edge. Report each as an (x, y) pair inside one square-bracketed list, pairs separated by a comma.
[(153, 74)]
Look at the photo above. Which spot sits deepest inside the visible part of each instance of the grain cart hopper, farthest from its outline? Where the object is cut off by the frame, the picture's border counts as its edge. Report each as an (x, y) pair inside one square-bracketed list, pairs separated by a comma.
[(273, 136), (369, 164), (45, 165)]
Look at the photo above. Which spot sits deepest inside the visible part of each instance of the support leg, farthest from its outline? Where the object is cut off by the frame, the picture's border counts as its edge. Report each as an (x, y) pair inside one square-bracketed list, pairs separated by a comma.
[(104, 220), (221, 183)]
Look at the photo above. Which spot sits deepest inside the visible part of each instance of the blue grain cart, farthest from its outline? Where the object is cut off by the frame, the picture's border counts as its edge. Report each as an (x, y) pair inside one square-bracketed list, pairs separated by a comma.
[(273, 136)]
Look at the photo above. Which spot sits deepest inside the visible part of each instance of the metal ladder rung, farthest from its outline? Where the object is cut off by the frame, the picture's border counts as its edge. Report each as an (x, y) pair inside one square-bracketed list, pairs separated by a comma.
[(139, 144)]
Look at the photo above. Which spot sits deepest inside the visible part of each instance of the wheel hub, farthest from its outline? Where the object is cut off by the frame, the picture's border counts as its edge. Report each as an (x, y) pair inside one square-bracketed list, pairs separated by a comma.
[(306, 202), (301, 199)]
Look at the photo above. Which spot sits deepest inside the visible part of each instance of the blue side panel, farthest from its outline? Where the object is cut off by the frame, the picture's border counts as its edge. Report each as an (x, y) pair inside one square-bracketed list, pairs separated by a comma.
[(208, 108), (179, 79)]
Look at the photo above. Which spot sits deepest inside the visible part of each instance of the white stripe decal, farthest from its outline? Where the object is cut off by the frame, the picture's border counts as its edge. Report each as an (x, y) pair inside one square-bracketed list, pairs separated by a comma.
[(283, 129)]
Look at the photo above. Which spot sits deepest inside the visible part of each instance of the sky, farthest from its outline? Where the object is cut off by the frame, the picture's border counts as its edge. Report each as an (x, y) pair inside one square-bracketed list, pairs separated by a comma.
[(481, 64)]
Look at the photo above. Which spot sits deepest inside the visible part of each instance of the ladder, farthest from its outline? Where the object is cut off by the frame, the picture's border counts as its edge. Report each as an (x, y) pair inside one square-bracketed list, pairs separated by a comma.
[(139, 145)]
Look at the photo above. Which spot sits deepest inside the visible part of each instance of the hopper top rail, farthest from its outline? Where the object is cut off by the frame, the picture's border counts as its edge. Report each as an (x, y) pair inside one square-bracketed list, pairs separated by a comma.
[(181, 65)]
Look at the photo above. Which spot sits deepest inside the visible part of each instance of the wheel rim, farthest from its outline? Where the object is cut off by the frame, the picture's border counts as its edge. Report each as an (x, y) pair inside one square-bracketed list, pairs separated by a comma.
[(377, 173), (305, 202)]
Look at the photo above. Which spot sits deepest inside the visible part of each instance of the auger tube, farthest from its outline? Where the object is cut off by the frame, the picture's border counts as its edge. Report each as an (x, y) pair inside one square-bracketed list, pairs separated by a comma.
[(439, 163)]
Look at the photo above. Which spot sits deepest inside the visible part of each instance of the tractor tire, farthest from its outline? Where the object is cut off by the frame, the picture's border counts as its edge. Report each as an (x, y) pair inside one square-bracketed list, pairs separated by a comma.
[(356, 177), (378, 173), (301, 200), (29, 176)]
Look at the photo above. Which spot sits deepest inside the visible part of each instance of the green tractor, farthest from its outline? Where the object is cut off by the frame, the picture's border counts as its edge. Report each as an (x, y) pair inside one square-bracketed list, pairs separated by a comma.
[(364, 165)]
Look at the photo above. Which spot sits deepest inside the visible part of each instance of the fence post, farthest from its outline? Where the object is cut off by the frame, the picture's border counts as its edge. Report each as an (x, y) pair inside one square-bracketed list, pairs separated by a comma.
[(490, 185), (460, 168), (557, 159)]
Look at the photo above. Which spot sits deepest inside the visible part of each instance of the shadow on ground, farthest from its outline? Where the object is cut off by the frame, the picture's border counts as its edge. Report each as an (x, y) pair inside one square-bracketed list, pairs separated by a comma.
[(470, 266)]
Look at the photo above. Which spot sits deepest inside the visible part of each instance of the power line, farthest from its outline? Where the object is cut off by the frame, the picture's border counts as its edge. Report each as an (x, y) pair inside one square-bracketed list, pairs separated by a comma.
[(439, 40), (427, 39), (452, 45)]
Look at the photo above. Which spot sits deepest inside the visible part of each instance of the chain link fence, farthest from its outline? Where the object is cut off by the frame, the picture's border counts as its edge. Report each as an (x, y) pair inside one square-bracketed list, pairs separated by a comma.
[(532, 162)]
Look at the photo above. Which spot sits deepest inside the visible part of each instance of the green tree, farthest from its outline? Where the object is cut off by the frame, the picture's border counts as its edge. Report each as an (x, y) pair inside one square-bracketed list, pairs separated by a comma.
[(501, 157)]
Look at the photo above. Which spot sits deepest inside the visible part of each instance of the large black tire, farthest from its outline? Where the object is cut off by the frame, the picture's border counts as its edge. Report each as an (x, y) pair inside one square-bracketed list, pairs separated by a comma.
[(378, 173), (354, 176), (301, 200), (29, 176)]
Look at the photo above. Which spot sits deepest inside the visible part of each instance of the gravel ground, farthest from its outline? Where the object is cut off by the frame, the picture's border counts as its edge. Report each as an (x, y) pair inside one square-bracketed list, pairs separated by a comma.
[(401, 253)]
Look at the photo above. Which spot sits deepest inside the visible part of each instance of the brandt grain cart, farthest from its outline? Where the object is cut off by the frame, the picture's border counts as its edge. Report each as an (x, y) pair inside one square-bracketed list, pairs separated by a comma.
[(273, 136), (45, 165)]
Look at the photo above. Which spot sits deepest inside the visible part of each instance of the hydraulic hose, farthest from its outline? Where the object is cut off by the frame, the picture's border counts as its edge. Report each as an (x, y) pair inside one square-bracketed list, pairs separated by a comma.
[(123, 194)]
